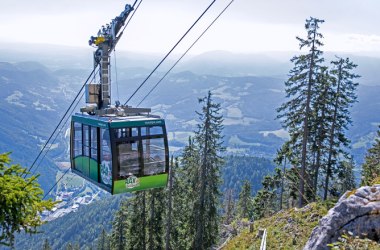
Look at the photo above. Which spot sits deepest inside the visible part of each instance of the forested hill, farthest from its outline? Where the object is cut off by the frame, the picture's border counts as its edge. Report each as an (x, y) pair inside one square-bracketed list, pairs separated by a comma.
[(245, 168), (85, 226), (82, 227)]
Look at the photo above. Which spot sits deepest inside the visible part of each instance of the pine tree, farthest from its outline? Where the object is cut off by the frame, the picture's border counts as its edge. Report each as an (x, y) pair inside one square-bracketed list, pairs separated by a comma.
[(119, 228), (244, 206), (103, 241), (46, 245), (319, 127), (155, 222), (344, 97), (208, 140), (345, 177), (182, 230), (371, 166), (137, 234), (301, 86), (20, 201), (169, 215), (229, 207)]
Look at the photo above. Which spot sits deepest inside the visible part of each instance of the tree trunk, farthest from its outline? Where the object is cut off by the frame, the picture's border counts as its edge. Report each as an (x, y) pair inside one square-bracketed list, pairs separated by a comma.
[(169, 222), (301, 197), (151, 222), (282, 183), (328, 171), (198, 243)]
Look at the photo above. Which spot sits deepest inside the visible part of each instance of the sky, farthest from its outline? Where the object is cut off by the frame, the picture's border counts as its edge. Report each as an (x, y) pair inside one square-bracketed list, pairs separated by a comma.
[(248, 26)]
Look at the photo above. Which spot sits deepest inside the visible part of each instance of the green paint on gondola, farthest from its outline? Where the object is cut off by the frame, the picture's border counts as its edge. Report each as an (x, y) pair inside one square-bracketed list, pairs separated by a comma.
[(87, 166), (136, 184)]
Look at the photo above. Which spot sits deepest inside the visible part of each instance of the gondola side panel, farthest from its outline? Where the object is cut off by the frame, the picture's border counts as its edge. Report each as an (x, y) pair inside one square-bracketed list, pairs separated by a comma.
[(134, 183)]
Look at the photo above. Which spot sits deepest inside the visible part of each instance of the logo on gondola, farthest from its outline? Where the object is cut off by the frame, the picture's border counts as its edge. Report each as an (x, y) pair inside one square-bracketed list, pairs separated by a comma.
[(132, 181)]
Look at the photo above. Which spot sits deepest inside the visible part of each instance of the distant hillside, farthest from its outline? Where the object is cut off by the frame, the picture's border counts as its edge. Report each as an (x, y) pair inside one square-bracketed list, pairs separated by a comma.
[(82, 227), (34, 97)]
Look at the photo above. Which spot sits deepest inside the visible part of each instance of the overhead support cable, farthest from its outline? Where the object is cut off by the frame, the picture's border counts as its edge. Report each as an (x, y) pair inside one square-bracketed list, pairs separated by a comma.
[(158, 65), (126, 25), (60, 122), (191, 46)]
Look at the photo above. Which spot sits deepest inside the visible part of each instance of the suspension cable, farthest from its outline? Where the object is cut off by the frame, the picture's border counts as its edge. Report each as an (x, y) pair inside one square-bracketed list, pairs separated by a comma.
[(74, 108), (191, 46), (60, 122), (60, 130), (146, 79), (56, 183)]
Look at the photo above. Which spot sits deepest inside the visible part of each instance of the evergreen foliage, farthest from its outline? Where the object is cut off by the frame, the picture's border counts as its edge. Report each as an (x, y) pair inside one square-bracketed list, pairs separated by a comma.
[(296, 113), (344, 93), (118, 234), (208, 140), (46, 245), (371, 166), (252, 168), (316, 116), (266, 201), (20, 201), (103, 241), (244, 205)]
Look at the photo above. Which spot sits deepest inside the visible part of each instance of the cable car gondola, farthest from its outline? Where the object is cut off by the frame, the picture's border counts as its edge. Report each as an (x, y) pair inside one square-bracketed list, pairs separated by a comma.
[(118, 148), (120, 154)]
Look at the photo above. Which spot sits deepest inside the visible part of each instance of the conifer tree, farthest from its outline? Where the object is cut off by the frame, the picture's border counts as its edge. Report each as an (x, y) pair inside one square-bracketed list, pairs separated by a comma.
[(138, 221), (344, 97), (345, 177), (169, 215), (244, 206), (208, 140), (46, 245), (319, 124), (103, 241), (20, 201), (155, 220), (371, 166), (119, 228), (182, 230), (229, 207), (300, 87)]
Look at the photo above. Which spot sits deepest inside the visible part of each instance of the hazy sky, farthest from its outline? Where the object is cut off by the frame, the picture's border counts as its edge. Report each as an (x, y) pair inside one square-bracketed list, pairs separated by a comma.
[(247, 26)]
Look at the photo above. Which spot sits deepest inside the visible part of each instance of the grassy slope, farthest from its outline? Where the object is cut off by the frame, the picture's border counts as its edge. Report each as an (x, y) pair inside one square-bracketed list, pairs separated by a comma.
[(290, 229)]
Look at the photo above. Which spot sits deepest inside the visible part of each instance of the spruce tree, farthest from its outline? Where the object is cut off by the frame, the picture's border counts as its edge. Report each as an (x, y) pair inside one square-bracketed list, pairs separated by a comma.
[(137, 235), (244, 206), (345, 177), (344, 97), (371, 166), (155, 221), (300, 87), (296, 113), (103, 241), (208, 139), (119, 228), (169, 215), (182, 229), (46, 245), (229, 207)]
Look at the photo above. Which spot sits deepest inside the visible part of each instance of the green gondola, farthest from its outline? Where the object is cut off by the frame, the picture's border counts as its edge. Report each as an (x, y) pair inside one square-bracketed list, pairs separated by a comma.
[(118, 148), (120, 154)]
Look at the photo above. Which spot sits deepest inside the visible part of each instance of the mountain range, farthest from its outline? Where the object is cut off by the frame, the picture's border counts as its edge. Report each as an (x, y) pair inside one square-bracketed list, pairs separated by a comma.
[(35, 94)]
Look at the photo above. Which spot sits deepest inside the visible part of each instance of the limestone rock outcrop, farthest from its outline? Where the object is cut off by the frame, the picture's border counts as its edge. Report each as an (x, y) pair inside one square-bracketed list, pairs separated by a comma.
[(356, 211)]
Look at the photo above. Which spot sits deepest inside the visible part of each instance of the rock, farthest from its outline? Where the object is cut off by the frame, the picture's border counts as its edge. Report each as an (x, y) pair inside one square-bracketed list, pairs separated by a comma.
[(356, 211)]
